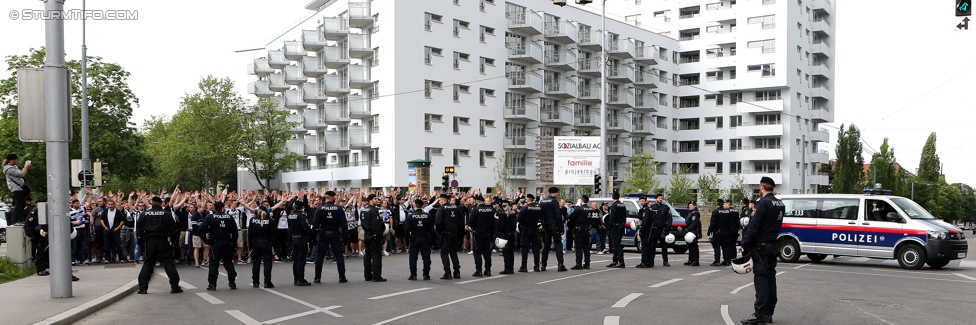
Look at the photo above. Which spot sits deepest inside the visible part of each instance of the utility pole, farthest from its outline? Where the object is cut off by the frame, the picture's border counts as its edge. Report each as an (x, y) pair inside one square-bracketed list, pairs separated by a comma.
[(604, 164), (86, 165), (56, 112), (803, 171)]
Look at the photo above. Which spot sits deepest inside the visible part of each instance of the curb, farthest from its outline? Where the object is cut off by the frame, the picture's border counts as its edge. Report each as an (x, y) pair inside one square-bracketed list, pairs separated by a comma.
[(75, 314)]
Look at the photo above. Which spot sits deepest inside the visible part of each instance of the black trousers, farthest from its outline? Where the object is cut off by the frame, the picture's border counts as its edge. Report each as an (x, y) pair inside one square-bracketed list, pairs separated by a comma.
[(570, 235), (553, 240), (373, 261), (508, 254), (616, 243), (330, 241), (261, 252), (299, 252), (582, 242), (221, 252), (20, 202), (716, 240), (728, 244), (449, 248), (281, 246), (482, 253), (420, 246), (650, 246), (42, 260), (530, 241), (693, 253), (764, 278), (158, 249)]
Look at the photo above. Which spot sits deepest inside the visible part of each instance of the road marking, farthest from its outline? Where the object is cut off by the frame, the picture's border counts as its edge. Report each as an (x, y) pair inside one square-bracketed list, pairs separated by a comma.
[(209, 298), (182, 283), (889, 275), (434, 307), (323, 310), (611, 320), (706, 272), (242, 317), (967, 264), (482, 279), (740, 289), (398, 293), (801, 266), (912, 272), (725, 315), (665, 283), (780, 273), (222, 273), (626, 300), (310, 312), (965, 276), (574, 276)]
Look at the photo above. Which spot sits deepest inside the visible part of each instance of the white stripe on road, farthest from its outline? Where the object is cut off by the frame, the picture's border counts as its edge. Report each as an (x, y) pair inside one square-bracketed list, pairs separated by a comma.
[(574, 276), (725, 315), (626, 300), (310, 312), (209, 298), (801, 266), (398, 293), (482, 279), (965, 276), (706, 272), (182, 283), (434, 307), (888, 275), (309, 305), (780, 273), (611, 320), (967, 264), (665, 283), (242, 317), (740, 289)]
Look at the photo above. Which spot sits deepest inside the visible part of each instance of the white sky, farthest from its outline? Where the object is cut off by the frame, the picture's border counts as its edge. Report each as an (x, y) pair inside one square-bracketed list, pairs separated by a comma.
[(901, 71)]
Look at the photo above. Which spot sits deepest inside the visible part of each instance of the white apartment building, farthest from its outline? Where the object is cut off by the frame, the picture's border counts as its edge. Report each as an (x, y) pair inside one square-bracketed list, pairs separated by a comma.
[(731, 88)]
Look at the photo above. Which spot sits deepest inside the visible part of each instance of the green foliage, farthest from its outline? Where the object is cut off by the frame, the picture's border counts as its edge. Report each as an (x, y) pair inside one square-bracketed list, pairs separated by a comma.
[(264, 136), (885, 171), (709, 188), (849, 167), (12, 272), (931, 190), (640, 174), (737, 190), (502, 173), (679, 192), (929, 166)]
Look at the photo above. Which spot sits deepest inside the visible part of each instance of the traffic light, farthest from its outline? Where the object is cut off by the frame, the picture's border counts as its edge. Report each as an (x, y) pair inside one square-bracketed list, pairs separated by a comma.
[(964, 8), (597, 180), (446, 184), (99, 173), (559, 2), (449, 170)]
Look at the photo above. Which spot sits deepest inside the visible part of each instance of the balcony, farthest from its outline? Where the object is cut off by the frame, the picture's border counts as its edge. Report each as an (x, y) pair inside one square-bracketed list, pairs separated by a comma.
[(315, 146), (277, 82), (296, 146), (753, 177), (336, 57), (359, 137), (820, 48), (818, 179), (820, 69), (294, 100), (644, 127), (527, 22), (564, 31), (591, 120), (646, 104), (313, 39), (276, 59), (821, 91), (528, 52), (620, 73), (260, 88), (822, 27), (312, 94), (522, 111), (527, 81), (335, 85), (591, 93), (315, 119), (360, 15), (563, 59), (293, 75), (819, 157), (360, 46), (622, 149), (621, 49), (590, 40), (563, 116), (260, 67), (821, 115), (335, 28), (645, 79), (622, 98), (336, 113), (589, 67), (647, 54), (563, 88), (751, 129), (621, 124), (765, 106), (522, 172), (294, 50), (299, 123), (359, 76), (747, 154), (820, 136), (312, 68), (523, 142), (821, 6), (359, 107)]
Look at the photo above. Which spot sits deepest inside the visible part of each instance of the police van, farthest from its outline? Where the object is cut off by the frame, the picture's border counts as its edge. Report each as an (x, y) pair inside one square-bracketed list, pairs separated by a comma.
[(631, 201), (873, 225)]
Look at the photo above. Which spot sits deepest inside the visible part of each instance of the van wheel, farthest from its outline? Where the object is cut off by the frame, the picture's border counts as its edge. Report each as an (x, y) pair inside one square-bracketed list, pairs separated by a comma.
[(937, 264), (817, 257), (911, 257), (680, 250), (789, 251)]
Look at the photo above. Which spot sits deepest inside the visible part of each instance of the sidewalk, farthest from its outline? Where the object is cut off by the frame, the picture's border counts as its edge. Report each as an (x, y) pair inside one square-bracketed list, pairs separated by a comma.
[(28, 300)]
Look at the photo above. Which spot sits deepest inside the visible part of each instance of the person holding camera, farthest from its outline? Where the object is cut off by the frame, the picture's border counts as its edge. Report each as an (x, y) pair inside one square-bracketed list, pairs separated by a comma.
[(17, 186)]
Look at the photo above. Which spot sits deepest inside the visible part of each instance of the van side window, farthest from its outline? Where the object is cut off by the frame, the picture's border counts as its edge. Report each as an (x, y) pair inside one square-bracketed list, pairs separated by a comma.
[(840, 209), (877, 210), (801, 208)]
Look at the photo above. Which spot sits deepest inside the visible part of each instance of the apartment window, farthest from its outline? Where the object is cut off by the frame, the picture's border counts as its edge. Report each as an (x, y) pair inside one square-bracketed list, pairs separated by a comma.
[(429, 86), (767, 143), (797, 72), (717, 166), (768, 70), (735, 144), (458, 122), (798, 95), (484, 94), (430, 152), (458, 25), (799, 49), (484, 125), (458, 90), (764, 95), (485, 62), (458, 57), (431, 18), (486, 31), (735, 120), (735, 98), (768, 46), (429, 120), (768, 21), (458, 153), (688, 146), (735, 167), (799, 25), (457, 2), (485, 155), (767, 167), (768, 119), (429, 53)]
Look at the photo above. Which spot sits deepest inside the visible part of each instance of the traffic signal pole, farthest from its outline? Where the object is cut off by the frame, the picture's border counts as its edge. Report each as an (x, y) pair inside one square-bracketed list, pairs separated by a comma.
[(86, 165)]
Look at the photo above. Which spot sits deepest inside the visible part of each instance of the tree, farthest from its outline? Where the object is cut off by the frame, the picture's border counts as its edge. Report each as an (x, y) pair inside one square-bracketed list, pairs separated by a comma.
[(850, 162), (640, 173), (931, 191), (884, 170), (708, 188), (113, 139), (265, 133), (738, 189), (929, 166), (680, 190), (502, 173)]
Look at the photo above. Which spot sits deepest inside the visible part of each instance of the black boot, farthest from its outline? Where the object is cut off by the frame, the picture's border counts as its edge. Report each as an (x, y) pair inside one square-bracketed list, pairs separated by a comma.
[(562, 268), (716, 263), (268, 285), (754, 319), (426, 277), (477, 274), (232, 285), (457, 274), (523, 270), (536, 269), (586, 266), (576, 268), (302, 283), (447, 276), (176, 289), (343, 280), (487, 272), (412, 277)]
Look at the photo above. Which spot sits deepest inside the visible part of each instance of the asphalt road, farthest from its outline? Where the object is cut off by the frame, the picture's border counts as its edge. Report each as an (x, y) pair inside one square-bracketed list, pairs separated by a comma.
[(836, 291)]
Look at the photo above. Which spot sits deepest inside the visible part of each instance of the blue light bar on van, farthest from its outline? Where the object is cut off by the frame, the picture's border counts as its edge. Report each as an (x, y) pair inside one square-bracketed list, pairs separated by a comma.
[(877, 192), (638, 195)]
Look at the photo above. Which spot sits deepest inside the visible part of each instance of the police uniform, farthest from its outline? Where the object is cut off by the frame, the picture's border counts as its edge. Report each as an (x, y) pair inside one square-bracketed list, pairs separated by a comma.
[(373, 226), (298, 231), (583, 218), (529, 219), (759, 240), (660, 227), (727, 227), (261, 238), (713, 235), (449, 223), (222, 232), (694, 227), (646, 217), (617, 219), (481, 221), (419, 227), (507, 223), (155, 227), (329, 221), (553, 228)]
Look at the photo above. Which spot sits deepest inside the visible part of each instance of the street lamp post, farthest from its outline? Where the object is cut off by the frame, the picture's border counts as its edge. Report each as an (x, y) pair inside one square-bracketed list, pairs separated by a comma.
[(603, 97)]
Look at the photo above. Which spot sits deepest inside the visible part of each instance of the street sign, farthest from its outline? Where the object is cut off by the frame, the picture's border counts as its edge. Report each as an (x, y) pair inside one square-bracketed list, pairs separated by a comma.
[(31, 115), (454, 184), (963, 23)]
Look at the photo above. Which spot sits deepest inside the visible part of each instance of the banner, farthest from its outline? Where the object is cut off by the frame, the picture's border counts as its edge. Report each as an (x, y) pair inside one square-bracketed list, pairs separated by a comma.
[(575, 160), (412, 178)]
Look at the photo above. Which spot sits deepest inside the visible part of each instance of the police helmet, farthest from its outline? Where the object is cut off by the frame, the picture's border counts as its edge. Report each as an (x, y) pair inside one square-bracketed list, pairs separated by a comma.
[(634, 224), (43, 233), (669, 239), (690, 238), (742, 265), (74, 232), (386, 231), (500, 243), (744, 221)]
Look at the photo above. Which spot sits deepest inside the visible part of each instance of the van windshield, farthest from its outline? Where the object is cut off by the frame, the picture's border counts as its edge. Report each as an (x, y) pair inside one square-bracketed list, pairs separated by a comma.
[(912, 209)]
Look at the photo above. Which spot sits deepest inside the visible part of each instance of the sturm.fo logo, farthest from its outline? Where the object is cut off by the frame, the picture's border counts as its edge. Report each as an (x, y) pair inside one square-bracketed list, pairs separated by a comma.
[(73, 14)]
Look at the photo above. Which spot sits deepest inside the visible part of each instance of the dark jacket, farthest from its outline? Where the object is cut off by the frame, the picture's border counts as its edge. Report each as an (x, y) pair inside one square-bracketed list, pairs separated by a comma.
[(765, 225)]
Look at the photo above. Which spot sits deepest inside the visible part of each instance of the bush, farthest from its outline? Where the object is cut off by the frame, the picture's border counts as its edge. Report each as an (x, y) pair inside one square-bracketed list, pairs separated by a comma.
[(12, 272)]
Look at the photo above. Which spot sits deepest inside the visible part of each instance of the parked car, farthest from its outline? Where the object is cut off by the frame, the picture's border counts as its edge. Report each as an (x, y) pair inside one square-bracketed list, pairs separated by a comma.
[(3, 226), (630, 235)]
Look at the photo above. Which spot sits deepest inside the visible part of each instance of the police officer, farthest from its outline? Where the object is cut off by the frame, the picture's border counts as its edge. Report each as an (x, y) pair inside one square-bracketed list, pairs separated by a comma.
[(554, 226), (759, 242), (221, 230), (507, 223), (694, 227), (373, 227), (449, 223), (646, 217), (660, 227), (329, 221), (298, 231), (585, 218), (727, 226), (713, 235), (481, 221), (530, 222), (155, 227), (617, 218), (260, 238), (419, 227)]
